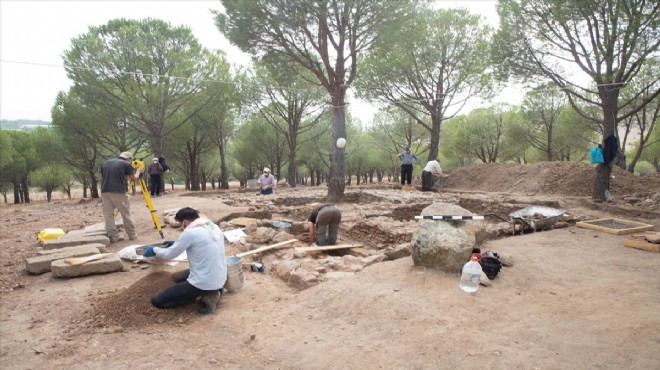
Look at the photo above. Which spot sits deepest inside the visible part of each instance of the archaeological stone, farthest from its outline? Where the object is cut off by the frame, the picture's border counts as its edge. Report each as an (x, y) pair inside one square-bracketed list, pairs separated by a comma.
[(40, 264), (446, 245), (110, 263), (100, 247), (400, 251), (75, 240), (302, 279)]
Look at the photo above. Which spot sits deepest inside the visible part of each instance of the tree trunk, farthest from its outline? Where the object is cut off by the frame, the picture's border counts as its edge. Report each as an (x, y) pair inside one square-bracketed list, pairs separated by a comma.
[(609, 106), (291, 170), (337, 157), (224, 178)]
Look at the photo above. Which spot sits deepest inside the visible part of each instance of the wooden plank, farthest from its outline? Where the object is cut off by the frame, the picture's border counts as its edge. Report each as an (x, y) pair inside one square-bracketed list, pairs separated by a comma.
[(81, 260), (637, 226), (328, 247), (268, 247), (243, 221), (641, 243)]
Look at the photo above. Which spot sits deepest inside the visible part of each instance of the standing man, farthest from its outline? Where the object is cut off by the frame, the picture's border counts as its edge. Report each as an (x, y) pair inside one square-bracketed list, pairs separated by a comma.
[(155, 176), (431, 170), (324, 217), (203, 242), (266, 182), (407, 165), (114, 194), (166, 169)]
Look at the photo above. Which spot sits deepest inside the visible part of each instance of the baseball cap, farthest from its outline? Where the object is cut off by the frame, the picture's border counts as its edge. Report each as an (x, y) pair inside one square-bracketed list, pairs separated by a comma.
[(266, 169), (126, 155), (155, 159), (407, 147)]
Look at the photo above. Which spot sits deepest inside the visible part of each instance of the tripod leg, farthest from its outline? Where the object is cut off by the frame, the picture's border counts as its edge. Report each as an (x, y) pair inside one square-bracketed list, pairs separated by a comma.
[(150, 205)]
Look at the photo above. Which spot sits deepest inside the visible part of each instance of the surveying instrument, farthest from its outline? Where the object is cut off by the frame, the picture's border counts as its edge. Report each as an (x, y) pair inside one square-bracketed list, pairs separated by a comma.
[(139, 164)]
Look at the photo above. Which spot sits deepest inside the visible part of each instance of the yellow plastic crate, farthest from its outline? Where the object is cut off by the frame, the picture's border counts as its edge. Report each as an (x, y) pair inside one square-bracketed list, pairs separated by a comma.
[(50, 234)]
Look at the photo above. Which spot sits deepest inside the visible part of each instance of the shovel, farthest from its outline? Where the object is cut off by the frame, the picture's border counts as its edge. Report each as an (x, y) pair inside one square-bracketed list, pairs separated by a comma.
[(81, 260)]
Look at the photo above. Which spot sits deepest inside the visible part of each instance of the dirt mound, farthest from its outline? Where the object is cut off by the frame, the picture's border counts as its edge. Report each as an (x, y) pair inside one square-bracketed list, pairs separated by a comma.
[(560, 178), (131, 308)]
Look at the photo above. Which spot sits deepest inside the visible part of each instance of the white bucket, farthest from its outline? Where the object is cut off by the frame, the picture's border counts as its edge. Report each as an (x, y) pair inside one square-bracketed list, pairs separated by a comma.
[(234, 274)]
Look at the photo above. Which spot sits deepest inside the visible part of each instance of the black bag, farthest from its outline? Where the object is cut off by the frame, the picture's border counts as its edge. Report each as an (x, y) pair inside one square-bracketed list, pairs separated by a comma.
[(490, 264)]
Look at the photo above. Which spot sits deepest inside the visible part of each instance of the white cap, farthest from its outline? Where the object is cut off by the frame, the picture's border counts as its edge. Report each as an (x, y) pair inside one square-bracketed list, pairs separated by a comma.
[(155, 159), (266, 169), (126, 155)]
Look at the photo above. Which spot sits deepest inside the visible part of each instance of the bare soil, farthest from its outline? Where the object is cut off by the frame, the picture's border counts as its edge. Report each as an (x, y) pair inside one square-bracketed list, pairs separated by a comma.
[(575, 298)]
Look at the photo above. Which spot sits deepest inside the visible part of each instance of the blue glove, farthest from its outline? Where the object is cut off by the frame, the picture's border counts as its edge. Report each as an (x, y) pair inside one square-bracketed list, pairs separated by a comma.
[(149, 251), (168, 243)]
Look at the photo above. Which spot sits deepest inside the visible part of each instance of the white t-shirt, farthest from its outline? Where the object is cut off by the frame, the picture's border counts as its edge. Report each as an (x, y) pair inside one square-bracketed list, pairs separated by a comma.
[(206, 256), (433, 167)]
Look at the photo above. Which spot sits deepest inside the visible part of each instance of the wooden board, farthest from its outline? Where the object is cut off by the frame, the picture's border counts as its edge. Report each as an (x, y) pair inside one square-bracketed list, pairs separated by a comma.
[(638, 242), (408, 188), (328, 247), (632, 227), (81, 260), (243, 221), (267, 247)]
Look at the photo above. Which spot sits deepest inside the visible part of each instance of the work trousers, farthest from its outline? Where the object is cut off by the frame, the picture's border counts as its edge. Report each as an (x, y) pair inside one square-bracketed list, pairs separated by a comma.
[(406, 173), (154, 184), (327, 221), (268, 191), (121, 203), (427, 181), (179, 294)]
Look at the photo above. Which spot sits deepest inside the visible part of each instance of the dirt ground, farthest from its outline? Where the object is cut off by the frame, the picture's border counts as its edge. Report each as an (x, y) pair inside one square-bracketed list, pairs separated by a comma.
[(575, 298)]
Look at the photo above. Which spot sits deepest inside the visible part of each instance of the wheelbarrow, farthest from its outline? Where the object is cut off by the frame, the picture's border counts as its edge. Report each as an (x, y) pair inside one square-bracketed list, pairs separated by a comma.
[(535, 218)]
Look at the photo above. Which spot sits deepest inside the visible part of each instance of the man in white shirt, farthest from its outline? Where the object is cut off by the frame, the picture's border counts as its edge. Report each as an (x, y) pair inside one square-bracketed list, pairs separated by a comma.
[(431, 170), (203, 242)]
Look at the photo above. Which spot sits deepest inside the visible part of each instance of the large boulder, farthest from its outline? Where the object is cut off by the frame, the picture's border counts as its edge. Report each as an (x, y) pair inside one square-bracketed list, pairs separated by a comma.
[(446, 245)]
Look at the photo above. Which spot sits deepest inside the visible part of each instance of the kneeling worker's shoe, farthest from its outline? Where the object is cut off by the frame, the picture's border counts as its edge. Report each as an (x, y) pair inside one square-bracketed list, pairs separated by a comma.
[(208, 302)]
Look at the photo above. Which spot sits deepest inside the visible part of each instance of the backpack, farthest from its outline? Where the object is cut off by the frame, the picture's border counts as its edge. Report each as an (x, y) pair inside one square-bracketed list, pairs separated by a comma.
[(490, 264)]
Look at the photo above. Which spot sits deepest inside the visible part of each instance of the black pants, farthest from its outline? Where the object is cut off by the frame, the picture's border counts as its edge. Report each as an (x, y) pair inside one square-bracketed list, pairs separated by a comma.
[(427, 181), (154, 184), (179, 294), (406, 173)]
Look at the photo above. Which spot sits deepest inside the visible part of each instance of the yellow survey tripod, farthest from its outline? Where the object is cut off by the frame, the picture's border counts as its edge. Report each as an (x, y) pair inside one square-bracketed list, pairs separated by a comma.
[(139, 164)]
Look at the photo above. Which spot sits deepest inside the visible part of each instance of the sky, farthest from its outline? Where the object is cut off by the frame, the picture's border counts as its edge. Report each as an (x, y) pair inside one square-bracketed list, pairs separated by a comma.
[(35, 34)]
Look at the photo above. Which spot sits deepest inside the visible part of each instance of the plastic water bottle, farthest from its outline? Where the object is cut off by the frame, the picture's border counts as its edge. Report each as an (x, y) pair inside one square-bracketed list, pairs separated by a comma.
[(471, 275)]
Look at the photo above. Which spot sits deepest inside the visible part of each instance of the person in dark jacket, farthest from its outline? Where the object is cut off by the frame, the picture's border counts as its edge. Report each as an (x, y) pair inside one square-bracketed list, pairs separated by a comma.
[(155, 171)]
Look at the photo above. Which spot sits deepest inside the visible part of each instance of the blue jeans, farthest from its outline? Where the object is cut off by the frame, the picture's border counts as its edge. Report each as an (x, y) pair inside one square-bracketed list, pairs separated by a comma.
[(267, 191)]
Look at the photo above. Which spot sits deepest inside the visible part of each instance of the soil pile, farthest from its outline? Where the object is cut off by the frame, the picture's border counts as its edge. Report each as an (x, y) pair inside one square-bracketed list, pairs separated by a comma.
[(556, 178), (131, 308)]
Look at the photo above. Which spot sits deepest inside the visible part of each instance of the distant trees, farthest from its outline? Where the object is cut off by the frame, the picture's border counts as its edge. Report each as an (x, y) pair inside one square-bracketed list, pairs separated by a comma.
[(325, 37), (145, 69), (607, 41), (430, 68)]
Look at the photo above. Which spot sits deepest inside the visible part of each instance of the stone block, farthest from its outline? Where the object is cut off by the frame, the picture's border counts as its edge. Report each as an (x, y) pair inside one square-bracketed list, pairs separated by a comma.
[(100, 247), (74, 241), (40, 264), (84, 232), (446, 245), (110, 263), (302, 279)]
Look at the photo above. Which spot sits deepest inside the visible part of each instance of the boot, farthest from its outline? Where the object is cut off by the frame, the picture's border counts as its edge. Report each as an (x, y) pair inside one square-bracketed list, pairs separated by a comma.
[(208, 302)]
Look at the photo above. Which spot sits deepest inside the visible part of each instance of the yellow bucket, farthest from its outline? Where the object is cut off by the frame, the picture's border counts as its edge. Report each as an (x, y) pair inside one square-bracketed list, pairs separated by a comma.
[(50, 234)]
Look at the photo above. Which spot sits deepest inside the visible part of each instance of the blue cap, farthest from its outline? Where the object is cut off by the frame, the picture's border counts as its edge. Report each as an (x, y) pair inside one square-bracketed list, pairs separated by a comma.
[(407, 147)]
